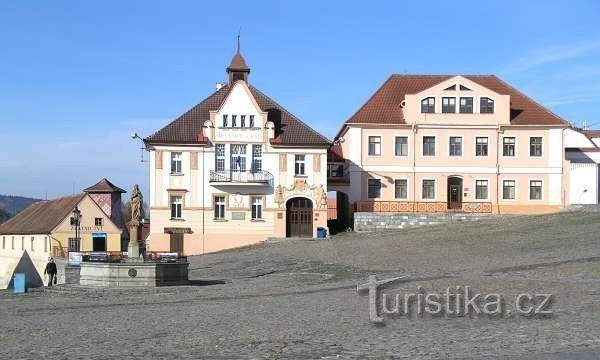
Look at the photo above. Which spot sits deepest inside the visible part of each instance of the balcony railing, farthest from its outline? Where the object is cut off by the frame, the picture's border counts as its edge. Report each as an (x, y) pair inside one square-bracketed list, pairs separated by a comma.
[(243, 177)]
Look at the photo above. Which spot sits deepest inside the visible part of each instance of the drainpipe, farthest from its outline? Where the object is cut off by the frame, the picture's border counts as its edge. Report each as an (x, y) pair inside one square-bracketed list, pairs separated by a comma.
[(414, 129), (203, 207), (498, 169)]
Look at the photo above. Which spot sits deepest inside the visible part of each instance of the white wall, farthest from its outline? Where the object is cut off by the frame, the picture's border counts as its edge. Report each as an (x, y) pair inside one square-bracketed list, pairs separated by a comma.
[(583, 183)]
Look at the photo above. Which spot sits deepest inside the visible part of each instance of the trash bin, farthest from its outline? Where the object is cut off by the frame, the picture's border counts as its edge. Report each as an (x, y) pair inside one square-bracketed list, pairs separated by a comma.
[(321, 233), (19, 283)]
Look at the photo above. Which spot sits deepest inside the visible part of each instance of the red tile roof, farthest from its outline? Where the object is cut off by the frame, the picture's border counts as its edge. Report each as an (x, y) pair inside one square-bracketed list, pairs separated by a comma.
[(104, 186), (187, 129), (238, 63), (384, 106), (41, 217)]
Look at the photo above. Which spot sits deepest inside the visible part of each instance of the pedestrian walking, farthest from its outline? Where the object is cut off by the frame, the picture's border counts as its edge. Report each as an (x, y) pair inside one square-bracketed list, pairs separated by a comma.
[(51, 271)]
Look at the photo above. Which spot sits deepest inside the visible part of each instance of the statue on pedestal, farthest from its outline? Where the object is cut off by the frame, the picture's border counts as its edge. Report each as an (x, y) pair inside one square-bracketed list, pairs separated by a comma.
[(137, 215)]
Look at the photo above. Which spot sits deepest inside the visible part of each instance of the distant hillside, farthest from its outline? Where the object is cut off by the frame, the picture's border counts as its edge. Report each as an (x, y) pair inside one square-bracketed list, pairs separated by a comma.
[(13, 205), (3, 216)]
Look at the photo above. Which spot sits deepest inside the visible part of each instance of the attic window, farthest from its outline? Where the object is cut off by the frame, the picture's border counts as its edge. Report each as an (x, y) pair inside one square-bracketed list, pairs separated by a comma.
[(462, 87), (453, 87)]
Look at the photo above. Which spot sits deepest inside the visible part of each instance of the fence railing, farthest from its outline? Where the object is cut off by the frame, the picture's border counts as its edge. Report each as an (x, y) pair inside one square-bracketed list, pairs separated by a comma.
[(235, 176), (429, 207)]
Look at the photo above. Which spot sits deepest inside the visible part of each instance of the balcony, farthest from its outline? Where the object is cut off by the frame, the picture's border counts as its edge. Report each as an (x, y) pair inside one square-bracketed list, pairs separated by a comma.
[(233, 177)]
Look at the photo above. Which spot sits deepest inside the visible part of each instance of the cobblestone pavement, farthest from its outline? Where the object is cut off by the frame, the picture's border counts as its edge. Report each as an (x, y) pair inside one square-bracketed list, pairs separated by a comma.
[(299, 299)]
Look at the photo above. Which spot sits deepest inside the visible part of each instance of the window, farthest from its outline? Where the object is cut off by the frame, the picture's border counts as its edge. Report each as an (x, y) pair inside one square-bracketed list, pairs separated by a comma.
[(535, 146), (176, 163), (455, 146), (335, 170), (224, 120), (220, 157), (3, 242), (257, 202), (401, 146), (233, 120), (251, 124), (12, 243), (453, 87), (466, 105), (508, 146), (374, 145), (428, 189), (481, 189), (256, 157), (45, 244), (428, 105), (463, 88), (32, 243), (486, 105), (401, 188), (238, 157), (74, 244), (508, 189), (242, 120), (428, 145), (299, 164), (22, 242), (535, 190), (481, 146), (219, 207), (98, 221), (374, 188), (448, 105), (176, 205)]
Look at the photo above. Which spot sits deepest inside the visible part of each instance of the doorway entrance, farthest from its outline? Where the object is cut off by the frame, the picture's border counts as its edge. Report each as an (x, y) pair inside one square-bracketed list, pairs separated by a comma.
[(98, 242), (455, 190), (299, 217), (176, 242)]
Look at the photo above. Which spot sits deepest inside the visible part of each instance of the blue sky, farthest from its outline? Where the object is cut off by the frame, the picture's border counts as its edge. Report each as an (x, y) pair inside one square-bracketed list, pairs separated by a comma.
[(77, 77)]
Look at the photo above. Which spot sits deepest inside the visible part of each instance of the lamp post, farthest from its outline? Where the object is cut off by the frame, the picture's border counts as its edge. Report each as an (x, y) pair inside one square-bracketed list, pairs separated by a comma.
[(77, 219)]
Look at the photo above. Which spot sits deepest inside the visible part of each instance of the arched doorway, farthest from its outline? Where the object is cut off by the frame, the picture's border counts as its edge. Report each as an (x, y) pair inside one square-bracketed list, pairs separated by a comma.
[(299, 217), (455, 190)]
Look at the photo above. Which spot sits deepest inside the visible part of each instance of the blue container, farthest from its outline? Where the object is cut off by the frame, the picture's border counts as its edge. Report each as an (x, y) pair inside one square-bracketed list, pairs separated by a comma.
[(19, 283), (321, 233)]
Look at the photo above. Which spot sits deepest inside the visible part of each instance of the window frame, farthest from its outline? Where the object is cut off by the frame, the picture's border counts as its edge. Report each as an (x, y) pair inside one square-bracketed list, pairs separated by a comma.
[(299, 164), (428, 106), (219, 157), (487, 146), (224, 120), (176, 207), (396, 146), (514, 145), (460, 107), (481, 105), (396, 188), (251, 121), (423, 189), (541, 186), (176, 160), (242, 121), (541, 146), (487, 189), (32, 243), (98, 223), (450, 146), (454, 105), (256, 159), (242, 153), (514, 190), (233, 120), (219, 207), (369, 188), (380, 143), (256, 208), (423, 145)]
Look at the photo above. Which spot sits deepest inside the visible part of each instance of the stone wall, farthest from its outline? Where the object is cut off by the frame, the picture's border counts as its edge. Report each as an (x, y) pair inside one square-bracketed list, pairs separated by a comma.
[(369, 221)]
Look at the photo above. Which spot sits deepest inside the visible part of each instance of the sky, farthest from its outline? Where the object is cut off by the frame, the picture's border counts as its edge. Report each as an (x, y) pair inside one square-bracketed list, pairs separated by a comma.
[(78, 77)]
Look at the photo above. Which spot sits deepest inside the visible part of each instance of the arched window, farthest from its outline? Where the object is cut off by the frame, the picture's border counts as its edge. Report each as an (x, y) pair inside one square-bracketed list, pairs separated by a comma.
[(428, 105), (486, 105)]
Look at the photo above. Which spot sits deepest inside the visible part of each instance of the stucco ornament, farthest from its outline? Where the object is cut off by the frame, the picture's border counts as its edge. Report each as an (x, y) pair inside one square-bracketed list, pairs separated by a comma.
[(137, 204), (301, 188)]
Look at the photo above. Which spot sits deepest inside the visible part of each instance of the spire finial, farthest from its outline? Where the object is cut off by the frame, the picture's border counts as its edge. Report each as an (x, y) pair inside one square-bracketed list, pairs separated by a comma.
[(238, 40)]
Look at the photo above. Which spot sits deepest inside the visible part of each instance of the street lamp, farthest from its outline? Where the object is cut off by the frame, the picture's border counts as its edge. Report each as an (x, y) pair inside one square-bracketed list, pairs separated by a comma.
[(145, 147), (76, 220)]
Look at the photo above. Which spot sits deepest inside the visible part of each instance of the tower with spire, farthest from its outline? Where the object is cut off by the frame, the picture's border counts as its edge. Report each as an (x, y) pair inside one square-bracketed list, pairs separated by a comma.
[(238, 69)]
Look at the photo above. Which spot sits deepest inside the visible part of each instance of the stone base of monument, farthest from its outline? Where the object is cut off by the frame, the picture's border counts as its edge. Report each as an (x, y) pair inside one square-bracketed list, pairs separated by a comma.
[(133, 274)]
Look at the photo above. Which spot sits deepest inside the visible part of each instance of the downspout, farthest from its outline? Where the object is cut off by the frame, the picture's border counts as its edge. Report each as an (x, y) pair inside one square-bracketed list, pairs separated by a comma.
[(414, 129), (203, 204), (498, 170)]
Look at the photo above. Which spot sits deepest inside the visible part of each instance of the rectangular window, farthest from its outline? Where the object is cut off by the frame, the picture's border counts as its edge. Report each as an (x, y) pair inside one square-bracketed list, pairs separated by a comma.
[(428, 105), (98, 221), (220, 157), (428, 191), (374, 145), (176, 162), (486, 105), (251, 123), (3, 242), (481, 146), (535, 190), (22, 242), (32, 243), (45, 244), (256, 157), (535, 146), (299, 165), (224, 120), (401, 146), (428, 145), (176, 206), (508, 189), (219, 207), (12, 243), (233, 120), (508, 146), (455, 146), (257, 203), (401, 188), (448, 105), (74, 244), (335, 170), (481, 189), (238, 157), (466, 105), (242, 120), (374, 188)]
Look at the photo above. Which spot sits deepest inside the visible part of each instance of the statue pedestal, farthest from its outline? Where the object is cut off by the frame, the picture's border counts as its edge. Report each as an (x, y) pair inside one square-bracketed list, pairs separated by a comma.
[(133, 249)]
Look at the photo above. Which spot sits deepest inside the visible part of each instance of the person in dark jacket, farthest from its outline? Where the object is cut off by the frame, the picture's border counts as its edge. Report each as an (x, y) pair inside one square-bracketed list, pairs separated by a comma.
[(51, 271)]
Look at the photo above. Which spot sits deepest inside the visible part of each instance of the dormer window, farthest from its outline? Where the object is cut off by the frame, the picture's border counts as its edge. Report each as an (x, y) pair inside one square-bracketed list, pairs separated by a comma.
[(453, 87), (486, 105), (464, 88), (242, 120), (448, 105), (466, 105), (428, 105), (233, 120), (225, 120)]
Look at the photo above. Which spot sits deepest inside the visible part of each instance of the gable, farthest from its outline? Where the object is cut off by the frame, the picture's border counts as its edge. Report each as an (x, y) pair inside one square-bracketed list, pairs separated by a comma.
[(89, 212)]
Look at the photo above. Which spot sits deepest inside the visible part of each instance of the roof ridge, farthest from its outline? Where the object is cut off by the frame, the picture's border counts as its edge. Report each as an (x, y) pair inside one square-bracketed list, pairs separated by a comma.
[(368, 100)]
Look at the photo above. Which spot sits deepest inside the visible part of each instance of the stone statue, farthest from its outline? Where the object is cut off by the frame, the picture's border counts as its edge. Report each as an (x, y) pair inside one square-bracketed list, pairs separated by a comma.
[(137, 205)]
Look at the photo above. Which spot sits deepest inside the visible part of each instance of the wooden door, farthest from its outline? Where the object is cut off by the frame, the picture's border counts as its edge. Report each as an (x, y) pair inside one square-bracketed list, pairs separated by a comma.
[(177, 243), (299, 218)]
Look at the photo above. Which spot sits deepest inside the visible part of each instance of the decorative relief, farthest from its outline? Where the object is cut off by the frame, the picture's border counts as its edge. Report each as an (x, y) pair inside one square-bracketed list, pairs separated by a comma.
[(301, 187)]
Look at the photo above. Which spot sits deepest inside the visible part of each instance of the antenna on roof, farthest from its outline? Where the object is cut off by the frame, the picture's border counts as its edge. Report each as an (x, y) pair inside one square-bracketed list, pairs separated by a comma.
[(584, 126), (238, 39)]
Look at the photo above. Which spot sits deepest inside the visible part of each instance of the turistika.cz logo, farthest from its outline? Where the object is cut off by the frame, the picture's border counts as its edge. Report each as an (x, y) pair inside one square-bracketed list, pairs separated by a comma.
[(453, 301)]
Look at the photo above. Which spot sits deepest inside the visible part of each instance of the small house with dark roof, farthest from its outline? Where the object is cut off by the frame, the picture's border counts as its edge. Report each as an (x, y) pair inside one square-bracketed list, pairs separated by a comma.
[(47, 229), (235, 169)]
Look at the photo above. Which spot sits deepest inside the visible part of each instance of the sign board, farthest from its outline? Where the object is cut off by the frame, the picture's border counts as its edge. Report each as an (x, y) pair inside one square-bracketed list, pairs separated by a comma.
[(242, 134), (237, 215), (75, 258)]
